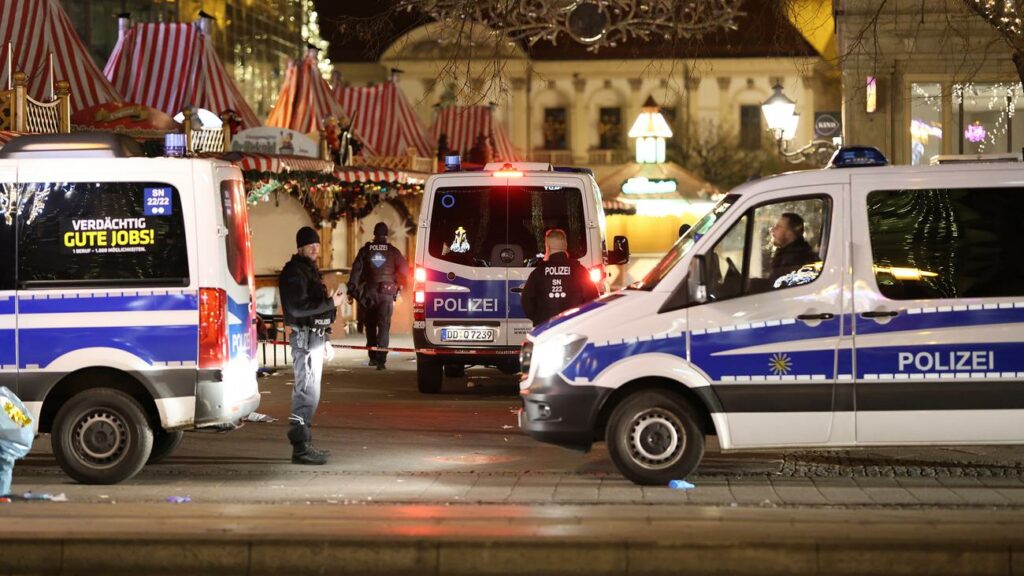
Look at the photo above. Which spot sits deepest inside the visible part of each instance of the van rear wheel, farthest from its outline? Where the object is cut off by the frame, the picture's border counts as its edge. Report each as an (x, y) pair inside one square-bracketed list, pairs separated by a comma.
[(101, 436), (428, 374), (653, 438), (164, 443)]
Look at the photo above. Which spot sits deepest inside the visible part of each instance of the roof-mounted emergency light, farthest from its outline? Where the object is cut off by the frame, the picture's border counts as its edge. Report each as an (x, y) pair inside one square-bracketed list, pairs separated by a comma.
[(508, 171), (452, 163), (857, 156)]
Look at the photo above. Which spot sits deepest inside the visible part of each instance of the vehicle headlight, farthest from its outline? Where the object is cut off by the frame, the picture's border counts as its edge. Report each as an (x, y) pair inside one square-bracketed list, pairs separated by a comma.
[(554, 354)]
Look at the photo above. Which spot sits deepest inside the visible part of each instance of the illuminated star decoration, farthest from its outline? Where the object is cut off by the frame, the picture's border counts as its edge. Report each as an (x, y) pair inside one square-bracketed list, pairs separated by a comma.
[(780, 363)]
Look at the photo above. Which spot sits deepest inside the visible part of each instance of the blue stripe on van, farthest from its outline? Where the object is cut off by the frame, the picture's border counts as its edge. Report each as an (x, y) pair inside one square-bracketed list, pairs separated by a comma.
[(946, 319), (7, 351), (41, 346), (132, 303)]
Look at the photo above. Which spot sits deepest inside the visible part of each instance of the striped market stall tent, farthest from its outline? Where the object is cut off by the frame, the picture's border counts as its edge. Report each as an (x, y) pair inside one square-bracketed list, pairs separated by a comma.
[(305, 101), (34, 29), (463, 124), (171, 66), (385, 119)]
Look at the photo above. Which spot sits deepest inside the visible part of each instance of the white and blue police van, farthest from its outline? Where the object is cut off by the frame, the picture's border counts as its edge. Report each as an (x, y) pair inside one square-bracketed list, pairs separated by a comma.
[(126, 312), (480, 234), (905, 327)]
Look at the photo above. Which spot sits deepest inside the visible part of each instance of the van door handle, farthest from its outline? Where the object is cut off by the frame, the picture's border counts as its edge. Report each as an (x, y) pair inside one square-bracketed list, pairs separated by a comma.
[(822, 316), (517, 289), (880, 314)]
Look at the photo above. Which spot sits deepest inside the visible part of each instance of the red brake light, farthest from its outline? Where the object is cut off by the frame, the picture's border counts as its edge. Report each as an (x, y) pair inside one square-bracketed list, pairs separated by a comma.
[(597, 274), (508, 171), (213, 324), (420, 275), (421, 297)]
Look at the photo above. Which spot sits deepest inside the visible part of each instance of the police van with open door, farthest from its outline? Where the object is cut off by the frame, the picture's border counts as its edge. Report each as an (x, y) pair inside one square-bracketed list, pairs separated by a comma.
[(901, 323), (480, 235), (126, 309)]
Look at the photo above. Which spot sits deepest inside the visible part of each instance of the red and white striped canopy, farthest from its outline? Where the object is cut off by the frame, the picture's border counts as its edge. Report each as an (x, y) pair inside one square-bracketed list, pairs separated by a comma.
[(37, 28), (370, 175), (171, 66), (276, 163), (462, 125), (305, 99), (385, 119)]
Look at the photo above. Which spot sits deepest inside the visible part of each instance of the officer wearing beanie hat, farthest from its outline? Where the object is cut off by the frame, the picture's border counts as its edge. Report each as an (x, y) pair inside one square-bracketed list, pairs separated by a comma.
[(309, 310), (378, 274)]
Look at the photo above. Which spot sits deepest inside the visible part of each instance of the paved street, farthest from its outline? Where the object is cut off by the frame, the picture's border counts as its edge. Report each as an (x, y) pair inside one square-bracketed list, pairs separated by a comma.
[(391, 444), (447, 484)]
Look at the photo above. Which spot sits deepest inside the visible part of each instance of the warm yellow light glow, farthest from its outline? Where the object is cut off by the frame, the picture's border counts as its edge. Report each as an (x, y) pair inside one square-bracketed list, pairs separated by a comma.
[(902, 273)]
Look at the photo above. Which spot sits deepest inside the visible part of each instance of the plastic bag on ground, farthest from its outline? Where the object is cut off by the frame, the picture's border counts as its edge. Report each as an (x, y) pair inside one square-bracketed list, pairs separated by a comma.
[(17, 430)]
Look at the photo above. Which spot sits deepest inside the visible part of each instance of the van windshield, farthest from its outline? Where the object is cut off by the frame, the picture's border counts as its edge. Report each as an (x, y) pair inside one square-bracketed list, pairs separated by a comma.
[(684, 244), (488, 226)]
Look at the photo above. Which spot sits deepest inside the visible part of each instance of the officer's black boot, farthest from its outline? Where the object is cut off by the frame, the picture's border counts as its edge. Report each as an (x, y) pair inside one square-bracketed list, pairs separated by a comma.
[(304, 453)]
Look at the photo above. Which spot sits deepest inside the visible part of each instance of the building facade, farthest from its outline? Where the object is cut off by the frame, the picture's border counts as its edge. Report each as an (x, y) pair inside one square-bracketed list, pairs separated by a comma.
[(926, 79)]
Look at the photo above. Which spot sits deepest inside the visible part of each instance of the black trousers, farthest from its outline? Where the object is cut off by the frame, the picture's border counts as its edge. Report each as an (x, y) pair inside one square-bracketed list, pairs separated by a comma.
[(378, 327)]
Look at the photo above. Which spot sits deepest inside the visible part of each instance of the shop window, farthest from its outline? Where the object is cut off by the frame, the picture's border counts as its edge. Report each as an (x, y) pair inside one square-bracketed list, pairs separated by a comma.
[(925, 122), (984, 115)]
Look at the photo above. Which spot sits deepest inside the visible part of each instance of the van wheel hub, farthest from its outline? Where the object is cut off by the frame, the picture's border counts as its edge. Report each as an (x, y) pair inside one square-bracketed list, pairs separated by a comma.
[(657, 439), (100, 438)]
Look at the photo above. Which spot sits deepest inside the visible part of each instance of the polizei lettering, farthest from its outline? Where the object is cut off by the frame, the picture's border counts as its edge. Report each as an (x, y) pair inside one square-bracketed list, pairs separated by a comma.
[(466, 304), (949, 361)]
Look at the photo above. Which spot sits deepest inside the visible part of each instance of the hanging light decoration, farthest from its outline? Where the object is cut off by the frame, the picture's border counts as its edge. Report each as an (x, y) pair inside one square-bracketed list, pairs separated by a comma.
[(593, 23)]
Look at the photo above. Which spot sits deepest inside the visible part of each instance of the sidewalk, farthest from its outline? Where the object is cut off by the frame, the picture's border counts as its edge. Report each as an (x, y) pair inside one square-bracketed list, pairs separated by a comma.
[(41, 538)]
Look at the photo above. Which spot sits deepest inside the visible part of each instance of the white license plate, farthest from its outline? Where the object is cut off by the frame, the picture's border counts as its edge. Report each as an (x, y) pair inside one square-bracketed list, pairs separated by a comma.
[(467, 335)]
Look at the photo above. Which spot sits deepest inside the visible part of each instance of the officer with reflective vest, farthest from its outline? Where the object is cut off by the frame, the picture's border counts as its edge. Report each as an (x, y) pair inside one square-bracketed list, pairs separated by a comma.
[(309, 311), (378, 273), (558, 283)]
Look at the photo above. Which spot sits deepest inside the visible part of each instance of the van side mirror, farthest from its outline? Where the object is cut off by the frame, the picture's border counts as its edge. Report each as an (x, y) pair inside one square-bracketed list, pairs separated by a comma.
[(697, 279), (619, 254)]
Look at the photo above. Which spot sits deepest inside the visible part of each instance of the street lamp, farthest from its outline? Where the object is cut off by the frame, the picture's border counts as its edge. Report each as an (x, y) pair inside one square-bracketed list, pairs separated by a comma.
[(780, 113), (650, 131)]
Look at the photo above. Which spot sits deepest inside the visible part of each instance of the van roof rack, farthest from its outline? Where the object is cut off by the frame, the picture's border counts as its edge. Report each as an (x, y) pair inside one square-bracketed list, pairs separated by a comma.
[(77, 145), (973, 158)]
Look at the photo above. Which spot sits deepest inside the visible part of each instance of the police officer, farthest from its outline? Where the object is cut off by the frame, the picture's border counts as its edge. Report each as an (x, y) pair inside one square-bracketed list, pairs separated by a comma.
[(309, 311), (557, 284), (378, 273)]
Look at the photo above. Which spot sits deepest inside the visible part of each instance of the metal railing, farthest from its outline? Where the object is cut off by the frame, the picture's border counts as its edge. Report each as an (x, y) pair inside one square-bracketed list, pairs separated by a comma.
[(551, 156)]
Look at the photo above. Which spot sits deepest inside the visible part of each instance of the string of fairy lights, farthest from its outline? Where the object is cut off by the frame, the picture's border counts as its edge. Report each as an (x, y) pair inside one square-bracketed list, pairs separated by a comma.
[(325, 196), (1001, 97)]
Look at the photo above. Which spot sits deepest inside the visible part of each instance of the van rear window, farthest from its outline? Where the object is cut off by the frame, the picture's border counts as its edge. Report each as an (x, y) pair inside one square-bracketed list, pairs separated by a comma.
[(504, 225), (85, 234), (236, 220)]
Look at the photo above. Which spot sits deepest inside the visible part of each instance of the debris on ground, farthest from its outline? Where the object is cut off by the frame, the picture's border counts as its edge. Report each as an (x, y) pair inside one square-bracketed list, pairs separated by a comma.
[(257, 417), (179, 499), (680, 485)]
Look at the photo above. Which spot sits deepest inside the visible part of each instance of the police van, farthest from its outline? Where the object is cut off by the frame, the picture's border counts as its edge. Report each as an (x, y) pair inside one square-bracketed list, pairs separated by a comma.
[(126, 311), (902, 323), (480, 235)]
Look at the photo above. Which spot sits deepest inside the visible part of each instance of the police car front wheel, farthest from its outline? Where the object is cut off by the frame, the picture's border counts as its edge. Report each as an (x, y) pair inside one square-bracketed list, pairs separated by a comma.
[(653, 437), (101, 436)]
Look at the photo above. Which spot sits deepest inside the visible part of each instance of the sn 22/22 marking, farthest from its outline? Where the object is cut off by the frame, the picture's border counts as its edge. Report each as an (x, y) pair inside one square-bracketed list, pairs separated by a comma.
[(949, 361)]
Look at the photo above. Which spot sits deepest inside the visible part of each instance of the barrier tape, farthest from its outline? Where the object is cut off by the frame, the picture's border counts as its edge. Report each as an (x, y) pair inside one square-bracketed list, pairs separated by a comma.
[(426, 351)]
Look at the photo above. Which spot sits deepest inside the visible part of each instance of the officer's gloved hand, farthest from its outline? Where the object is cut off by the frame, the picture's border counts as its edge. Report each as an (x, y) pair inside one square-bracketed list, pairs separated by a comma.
[(328, 351)]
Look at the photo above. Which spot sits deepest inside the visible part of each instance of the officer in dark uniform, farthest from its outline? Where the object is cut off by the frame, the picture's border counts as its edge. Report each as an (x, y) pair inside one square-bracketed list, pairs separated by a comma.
[(378, 273), (791, 250), (309, 311), (557, 284)]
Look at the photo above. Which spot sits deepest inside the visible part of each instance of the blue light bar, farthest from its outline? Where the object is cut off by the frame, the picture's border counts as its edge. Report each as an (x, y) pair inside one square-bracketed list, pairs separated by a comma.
[(452, 163), (856, 157)]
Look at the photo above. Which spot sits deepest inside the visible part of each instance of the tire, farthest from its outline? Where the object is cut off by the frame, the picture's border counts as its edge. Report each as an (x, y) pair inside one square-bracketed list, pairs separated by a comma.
[(163, 444), (101, 436), (455, 370), (428, 374), (653, 438)]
